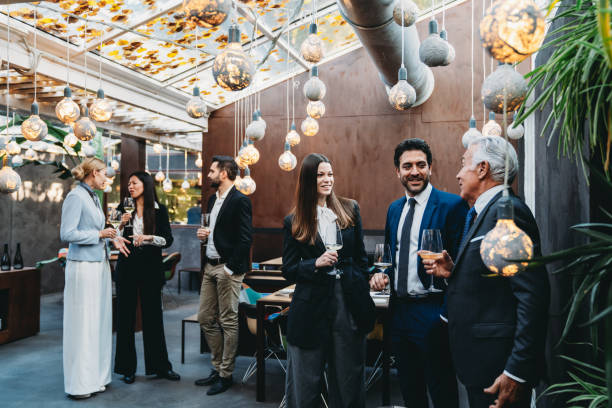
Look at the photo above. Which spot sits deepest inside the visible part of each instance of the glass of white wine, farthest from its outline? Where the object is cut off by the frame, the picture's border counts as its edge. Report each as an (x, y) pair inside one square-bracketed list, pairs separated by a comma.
[(205, 222), (114, 217), (431, 248), (128, 206), (333, 242), (382, 261)]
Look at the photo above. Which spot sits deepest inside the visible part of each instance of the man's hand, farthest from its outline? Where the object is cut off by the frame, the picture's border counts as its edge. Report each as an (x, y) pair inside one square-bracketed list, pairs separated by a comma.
[(203, 233), (440, 268), (509, 391), (119, 244), (379, 281)]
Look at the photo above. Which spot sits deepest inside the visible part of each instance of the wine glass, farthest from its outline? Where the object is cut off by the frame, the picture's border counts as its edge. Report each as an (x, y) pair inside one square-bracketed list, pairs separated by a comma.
[(205, 221), (431, 248), (333, 242), (114, 217), (128, 206), (382, 260)]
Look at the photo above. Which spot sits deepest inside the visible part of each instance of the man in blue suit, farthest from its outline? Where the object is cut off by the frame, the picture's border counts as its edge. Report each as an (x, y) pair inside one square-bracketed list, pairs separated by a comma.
[(419, 336)]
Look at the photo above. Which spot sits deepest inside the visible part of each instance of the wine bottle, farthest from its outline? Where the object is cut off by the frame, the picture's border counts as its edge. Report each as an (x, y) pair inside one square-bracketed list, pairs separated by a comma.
[(18, 260), (5, 262)]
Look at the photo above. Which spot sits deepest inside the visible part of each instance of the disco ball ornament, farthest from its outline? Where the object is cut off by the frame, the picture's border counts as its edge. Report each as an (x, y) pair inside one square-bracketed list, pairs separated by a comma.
[(13, 148), (158, 148), (114, 164), (315, 109), (491, 128), (256, 130), (433, 50), (402, 96), (30, 154), (314, 88), (10, 181), (312, 47), (293, 137), (196, 108), (310, 126), (515, 131), (34, 128), (471, 134), (198, 161), (512, 30), (110, 172), (185, 184), (504, 81), (207, 13), (67, 110), (450, 56), (506, 241), (160, 176), (17, 160), (411, 13), (287, 160), (84, 128), (233, 69), (167, 185), (70, 140), (101, 109)]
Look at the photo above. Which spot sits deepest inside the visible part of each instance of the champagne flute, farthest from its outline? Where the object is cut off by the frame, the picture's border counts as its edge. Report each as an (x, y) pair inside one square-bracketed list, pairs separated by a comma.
[(431, 248), (382, 260), (128, 206), (333, 242)]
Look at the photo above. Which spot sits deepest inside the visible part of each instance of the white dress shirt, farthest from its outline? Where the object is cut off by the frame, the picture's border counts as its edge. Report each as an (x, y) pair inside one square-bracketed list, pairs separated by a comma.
[(415, 286), (138, 229), (211, 251)]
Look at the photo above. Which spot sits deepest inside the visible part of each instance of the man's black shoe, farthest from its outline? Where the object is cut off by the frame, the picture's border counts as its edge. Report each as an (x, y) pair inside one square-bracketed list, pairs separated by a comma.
[(211, 379), (128, 379), (169, 375), (220, 386)]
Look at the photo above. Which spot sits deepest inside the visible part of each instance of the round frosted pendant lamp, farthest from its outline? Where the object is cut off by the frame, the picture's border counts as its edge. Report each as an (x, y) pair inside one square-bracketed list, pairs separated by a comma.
[(506, 241), (185, 184), (110, 172), (256, 130), (160, 176), (114, 164), (88, 150), (84, 128), (70, 140), (411, 13), (67, 110), (315, 109), (512, 30), (471, 134), (233, 68), (314, 88), (30, 154), (491, 128), (196, 108), (505, 80), (17, 160), (13, 148), (450, 56), (10, 181), (515, 131), (101, 109), (34, 128), (287, 160), (312, 47), (198, 161), (402, 96), (261, 119), (433, 50), (293, 137), (167, 185), (310, 126), (207, 13)]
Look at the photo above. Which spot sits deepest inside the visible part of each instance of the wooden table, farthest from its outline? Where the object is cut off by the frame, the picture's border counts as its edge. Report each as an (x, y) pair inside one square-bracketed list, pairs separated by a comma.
[(19, 303), (276, 262), (282, 300)]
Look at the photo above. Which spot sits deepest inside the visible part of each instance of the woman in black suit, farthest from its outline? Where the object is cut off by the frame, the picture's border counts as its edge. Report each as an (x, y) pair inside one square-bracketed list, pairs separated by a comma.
[(142, 272), (330, 314)]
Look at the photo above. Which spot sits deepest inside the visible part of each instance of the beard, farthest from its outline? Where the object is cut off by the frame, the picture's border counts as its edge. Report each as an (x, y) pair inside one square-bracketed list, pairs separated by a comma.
[(412, 190), (215, 183)]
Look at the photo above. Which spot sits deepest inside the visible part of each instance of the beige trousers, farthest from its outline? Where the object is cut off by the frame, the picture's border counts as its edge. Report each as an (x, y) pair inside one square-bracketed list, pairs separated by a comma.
[(218, 316)]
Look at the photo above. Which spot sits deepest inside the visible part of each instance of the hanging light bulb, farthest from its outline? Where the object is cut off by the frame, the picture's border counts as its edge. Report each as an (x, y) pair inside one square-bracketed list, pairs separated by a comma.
[(310, 126), (411, 13), (471, 134), (198, 162), (315, 109), (17, 160), (158, 148), (512, 30), (515, 131), (248, 185), (34, 128), (504, 80), (41, 146), (491, 128), (243, 153), (207, 13), (160, 176), (114, 164), (506, 241), (450, 56), (233, 69), (30, 154), (101, 109), (108, 188), (196, 107), (293, 137), (88, 150), (67, 110), (433, 50), (70, 139), (185, 185), (84, 128), (402, 96), (287, 160), (110, 172), (256, 129), (13, 148), (261, 119), (10, 181), (167, 185), (250, 153), (314, 88), (240, 162), (312, 47)]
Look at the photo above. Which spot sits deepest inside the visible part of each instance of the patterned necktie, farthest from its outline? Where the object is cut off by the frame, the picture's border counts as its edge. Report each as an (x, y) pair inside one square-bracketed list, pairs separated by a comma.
[(469, 221), (404, 258)]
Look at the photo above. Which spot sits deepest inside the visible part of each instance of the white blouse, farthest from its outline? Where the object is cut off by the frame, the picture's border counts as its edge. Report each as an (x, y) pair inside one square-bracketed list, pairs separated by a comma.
[(138, 228), (326, 220)]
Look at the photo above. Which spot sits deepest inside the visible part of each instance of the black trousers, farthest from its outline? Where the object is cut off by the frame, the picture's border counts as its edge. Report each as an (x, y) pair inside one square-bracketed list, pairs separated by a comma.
[(156, 353)]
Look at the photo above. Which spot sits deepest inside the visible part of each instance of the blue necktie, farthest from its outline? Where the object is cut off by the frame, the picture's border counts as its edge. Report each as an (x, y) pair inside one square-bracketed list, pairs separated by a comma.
[(469, 220), (404, 258)]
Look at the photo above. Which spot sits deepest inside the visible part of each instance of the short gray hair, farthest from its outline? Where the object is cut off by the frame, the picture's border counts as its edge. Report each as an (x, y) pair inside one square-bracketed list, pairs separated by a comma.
[(492, 149)]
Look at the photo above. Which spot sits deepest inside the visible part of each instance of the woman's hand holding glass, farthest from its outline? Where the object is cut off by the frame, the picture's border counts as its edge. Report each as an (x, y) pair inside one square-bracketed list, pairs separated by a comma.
[(108, 233), (125, 219), (328, 258)]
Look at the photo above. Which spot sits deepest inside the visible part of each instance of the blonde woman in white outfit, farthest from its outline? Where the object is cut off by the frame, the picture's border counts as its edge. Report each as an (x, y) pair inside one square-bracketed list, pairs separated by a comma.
[(88, 291)]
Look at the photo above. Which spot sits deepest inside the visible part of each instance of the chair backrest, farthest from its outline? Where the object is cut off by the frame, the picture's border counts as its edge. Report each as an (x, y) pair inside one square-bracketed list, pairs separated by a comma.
[(170, 262)]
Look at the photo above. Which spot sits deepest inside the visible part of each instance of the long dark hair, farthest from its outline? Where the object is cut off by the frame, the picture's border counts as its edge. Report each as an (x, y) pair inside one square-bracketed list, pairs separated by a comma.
[(304, 226), (150, 198)]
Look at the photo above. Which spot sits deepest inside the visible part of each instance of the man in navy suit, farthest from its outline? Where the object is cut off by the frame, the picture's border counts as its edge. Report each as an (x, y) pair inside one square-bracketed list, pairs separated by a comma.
[(419, 336)]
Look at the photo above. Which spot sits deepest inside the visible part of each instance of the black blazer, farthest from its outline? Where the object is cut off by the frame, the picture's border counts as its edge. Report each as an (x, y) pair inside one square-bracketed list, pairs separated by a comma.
[(310, 313), (233, 234), (145, 263), (497, 323)]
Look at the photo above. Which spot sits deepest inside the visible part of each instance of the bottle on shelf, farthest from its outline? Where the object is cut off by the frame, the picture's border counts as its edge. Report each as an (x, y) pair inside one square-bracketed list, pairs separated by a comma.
[(5, 261), (18, 260)]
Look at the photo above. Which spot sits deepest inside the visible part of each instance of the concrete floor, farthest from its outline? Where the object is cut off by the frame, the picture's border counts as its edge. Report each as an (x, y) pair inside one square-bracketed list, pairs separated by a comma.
[(31, 369)]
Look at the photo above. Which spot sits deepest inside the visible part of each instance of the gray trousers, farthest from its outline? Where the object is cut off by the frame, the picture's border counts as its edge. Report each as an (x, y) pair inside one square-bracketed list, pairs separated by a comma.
[(345, 357)]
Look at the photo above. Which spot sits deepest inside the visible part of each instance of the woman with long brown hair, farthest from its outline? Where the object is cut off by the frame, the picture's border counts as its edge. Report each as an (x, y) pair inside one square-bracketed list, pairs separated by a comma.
[(331, 311)]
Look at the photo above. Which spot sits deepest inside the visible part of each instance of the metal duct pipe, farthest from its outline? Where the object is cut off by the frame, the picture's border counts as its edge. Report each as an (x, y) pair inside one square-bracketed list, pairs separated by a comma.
[(373, 23)]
